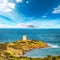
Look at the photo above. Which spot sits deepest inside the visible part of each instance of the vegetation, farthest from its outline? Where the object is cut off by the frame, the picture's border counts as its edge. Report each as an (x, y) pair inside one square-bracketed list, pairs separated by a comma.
[(19, 47), (15, 50), (9, 57)]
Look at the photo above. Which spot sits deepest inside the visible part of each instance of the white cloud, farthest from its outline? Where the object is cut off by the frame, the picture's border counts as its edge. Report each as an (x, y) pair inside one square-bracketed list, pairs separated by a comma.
[(45, 23), (56, 10), (4, 26), (8, 10), (44, 16), (27, 2), (34, 24), (3, 4), (49, 24), (17, 26), (11, 5), (19, 1), (6, 6), (25, 26)]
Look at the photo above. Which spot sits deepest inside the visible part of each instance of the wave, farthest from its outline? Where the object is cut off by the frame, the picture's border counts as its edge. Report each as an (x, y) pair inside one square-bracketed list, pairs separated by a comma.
[(54, 45)]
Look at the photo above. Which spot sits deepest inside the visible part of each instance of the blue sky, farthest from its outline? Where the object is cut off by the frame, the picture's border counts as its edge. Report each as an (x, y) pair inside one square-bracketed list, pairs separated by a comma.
[(29, 13)]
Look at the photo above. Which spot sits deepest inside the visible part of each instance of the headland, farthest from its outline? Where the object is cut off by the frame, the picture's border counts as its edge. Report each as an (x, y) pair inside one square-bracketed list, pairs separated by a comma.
[(20, 47)]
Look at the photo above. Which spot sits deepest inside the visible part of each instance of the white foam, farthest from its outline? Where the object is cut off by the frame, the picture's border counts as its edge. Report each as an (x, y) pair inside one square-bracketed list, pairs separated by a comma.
[(53, 45)]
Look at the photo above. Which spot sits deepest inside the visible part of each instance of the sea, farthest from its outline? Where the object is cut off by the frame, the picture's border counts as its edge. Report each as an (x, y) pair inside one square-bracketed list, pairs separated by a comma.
[(49, 36)]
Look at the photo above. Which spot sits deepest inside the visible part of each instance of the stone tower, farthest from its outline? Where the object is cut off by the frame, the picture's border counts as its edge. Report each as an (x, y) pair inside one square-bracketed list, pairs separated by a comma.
[(24, 37)]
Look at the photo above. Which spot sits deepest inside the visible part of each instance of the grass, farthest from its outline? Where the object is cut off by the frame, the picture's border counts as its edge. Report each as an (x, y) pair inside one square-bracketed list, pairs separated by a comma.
[(49, 57)]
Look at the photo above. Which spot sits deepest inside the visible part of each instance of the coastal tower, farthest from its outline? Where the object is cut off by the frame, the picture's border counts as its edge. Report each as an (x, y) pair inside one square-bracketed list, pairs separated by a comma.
[(24, 37)]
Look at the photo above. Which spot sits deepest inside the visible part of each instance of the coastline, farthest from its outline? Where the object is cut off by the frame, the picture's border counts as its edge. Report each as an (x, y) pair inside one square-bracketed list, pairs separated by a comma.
[(20, 47), (14, 49)]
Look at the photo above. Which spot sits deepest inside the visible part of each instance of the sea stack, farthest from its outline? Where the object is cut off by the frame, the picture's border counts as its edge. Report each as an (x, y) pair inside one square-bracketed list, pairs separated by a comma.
[(24, 37)]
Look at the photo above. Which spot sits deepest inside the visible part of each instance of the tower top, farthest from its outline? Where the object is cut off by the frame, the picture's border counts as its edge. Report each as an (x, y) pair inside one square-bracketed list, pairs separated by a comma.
[(24, 37)]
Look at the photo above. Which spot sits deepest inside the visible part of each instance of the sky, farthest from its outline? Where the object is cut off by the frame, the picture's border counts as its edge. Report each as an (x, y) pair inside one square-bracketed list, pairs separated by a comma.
[(30, 14)]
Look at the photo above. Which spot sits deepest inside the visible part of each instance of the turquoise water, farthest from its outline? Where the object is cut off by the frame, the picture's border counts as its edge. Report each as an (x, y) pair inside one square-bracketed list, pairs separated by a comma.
[(50, 36), (43, 52)]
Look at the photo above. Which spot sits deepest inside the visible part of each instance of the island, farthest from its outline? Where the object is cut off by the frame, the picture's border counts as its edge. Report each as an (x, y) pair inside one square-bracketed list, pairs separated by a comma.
[(20, 47)]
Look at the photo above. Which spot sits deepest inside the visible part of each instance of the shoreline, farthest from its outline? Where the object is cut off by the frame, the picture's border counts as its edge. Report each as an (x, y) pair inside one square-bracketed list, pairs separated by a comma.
[(34, 56), (20, 47)]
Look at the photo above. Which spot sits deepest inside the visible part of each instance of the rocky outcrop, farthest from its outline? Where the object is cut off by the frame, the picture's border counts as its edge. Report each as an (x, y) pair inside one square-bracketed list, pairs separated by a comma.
[(19, 47)]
